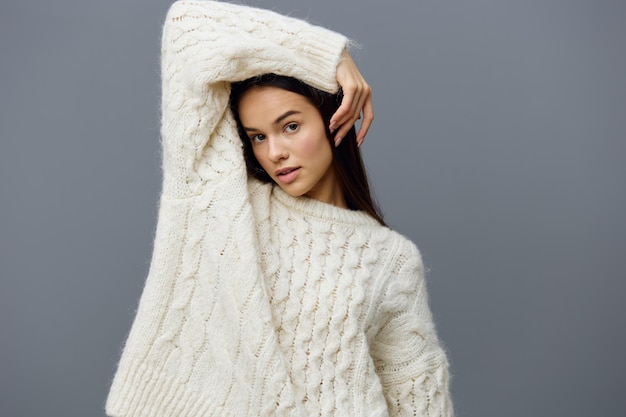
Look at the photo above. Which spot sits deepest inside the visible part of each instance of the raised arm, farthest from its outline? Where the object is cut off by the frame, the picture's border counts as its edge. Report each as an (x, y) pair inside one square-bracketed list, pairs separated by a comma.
[(206, 46)]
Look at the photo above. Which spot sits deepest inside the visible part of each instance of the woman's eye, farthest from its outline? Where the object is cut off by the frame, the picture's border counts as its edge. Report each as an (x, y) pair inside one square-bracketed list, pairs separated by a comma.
[(291, 127), (257, 138)]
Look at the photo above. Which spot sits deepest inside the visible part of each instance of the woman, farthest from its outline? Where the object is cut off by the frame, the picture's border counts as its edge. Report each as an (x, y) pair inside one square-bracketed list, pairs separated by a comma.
[(300, 153), (290, 299)]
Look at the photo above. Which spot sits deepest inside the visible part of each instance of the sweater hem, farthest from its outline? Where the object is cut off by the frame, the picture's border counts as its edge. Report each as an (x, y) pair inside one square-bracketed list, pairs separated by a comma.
[(139, 390)]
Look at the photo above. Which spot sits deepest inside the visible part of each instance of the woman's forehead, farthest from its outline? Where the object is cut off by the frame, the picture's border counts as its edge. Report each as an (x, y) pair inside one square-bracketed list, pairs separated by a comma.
[(266, 104)]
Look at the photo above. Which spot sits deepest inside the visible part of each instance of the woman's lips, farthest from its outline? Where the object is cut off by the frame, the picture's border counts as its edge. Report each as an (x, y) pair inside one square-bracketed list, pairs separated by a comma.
[(287, 175)]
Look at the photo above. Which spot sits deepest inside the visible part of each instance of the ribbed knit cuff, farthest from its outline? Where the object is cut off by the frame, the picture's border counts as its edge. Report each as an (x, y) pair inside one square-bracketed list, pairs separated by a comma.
[(322, 43)]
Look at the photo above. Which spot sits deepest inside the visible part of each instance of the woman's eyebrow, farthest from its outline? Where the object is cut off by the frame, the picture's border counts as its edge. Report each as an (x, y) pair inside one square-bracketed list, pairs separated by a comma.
[(277, 121), (285, 115)]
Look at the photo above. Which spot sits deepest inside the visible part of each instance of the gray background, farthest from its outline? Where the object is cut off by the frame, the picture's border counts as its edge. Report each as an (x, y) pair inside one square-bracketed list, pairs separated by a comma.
[(499, 147)]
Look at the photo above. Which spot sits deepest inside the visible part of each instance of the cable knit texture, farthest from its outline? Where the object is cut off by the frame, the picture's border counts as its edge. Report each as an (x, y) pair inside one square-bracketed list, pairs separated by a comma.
[(258, 303)]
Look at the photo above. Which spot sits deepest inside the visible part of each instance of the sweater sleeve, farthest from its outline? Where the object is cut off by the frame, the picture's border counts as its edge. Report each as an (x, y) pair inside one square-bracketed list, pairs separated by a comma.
[(411, 364), (202, 342), (207, 45)]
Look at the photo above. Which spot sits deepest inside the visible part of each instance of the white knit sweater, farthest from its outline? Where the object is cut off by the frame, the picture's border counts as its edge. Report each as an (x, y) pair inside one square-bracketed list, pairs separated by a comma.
[(259, 303)]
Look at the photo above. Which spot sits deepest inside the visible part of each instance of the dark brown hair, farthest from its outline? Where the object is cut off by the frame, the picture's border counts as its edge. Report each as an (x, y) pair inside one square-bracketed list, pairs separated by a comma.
[(347, 159)]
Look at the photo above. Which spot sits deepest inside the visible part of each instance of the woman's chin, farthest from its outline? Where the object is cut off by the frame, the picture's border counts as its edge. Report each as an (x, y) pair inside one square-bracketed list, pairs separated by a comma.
[(292, 191)]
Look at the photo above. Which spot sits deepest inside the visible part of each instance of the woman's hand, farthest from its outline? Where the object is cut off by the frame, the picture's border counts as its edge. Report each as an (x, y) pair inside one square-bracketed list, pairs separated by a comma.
[(357, 99)]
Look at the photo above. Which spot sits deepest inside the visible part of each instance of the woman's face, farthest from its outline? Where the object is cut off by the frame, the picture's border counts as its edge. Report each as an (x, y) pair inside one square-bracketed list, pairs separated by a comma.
[(289, 140)]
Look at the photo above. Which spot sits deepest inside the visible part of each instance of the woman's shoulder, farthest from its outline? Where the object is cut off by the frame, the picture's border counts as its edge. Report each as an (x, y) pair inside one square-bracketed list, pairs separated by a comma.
[(406, 246), (402, 254), (398, 243)]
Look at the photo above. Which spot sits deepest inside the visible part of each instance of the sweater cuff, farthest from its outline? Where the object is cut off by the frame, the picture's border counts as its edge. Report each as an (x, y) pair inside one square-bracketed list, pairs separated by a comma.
[(322, 43)]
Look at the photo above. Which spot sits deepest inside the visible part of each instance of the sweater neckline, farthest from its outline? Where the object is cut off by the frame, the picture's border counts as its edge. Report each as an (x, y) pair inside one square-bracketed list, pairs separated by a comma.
[(323, 211)]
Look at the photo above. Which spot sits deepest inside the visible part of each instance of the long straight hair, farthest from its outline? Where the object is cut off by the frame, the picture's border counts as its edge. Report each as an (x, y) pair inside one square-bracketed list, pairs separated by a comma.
[(347, 160)]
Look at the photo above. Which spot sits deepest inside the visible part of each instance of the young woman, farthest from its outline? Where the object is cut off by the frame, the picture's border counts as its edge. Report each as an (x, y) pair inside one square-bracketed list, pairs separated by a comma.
[(275, 289), (287, 140)]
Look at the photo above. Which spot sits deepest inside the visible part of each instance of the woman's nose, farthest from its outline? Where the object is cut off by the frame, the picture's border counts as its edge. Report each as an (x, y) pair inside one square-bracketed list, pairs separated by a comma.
[(276, 149)]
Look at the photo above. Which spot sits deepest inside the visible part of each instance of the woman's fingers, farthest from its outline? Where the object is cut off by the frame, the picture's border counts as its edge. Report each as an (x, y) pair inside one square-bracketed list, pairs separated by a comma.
[(345, 110), (368, 118), (360, 101), (357, 100), (347, 113)]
